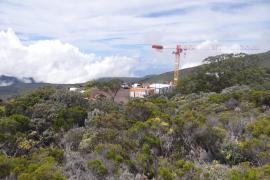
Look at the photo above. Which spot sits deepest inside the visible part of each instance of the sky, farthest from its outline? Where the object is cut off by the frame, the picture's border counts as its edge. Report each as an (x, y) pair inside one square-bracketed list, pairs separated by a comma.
[(68, 41)]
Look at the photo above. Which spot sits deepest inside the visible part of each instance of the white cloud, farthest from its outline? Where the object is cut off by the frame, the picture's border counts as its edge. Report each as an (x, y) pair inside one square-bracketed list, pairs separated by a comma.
[(3, 84), (114, 27), (56, 62)]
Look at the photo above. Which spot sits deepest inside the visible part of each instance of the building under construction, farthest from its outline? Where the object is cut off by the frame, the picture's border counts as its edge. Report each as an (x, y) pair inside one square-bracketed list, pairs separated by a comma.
[(140, 91)]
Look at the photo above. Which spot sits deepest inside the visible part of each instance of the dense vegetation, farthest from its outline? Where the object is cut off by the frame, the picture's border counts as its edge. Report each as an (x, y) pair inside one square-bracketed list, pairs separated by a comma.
[(211, 133)]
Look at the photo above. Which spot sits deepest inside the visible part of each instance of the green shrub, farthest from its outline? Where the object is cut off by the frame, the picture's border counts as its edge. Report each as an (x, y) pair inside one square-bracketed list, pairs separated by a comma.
[(5, 166), (22, 105), (260, 127), (14, 123), (115, 153), (217, 98), (40, 166), (261, 97), (151, 140), (22, 120), (247, 172), (69, 117), (233, 154), (2, 110), (111, 120), (98, 167), (9, 125), (165, 173), (57, 154), (43, 172)]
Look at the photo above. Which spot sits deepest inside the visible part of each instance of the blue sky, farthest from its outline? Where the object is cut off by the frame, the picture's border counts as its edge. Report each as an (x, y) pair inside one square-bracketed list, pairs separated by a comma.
[(128, 28)]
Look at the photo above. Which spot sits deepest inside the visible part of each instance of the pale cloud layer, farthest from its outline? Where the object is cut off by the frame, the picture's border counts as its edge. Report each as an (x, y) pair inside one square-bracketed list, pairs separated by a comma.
[(56, 62), (129, 27)]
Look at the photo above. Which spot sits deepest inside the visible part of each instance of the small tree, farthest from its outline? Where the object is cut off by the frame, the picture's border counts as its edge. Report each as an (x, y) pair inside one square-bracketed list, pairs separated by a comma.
[(111, 87)]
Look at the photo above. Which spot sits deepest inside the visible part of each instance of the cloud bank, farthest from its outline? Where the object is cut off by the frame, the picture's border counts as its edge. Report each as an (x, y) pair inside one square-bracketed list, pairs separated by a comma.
[(118, 28), (56, 62)]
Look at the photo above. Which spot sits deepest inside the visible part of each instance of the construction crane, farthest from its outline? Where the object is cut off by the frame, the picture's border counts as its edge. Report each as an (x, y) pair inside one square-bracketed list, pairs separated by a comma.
[(177, 52), (183, 48)]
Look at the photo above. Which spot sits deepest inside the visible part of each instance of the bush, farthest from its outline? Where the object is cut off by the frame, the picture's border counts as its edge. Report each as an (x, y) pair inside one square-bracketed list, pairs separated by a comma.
[(98, 167), (140, 110), (261, 97), (115, 153), (260, 127), (40, 166), (69, 117), (24, 104), (5, 166), (232, 154), (57, 154), (245, 171), (111, 120), (2, 110), (14, 123), (43, 172), (165, 173)]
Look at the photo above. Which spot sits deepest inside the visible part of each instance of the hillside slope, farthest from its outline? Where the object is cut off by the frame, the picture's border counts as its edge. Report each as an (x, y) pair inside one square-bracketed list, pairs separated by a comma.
[(19, 87), (221, 131), (183, 73)]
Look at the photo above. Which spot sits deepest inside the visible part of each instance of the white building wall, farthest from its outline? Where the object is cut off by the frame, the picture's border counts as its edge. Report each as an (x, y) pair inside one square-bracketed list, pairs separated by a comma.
[(137, 94)]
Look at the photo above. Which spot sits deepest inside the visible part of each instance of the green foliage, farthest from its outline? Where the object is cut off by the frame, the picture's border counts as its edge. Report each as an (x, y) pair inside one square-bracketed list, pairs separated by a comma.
[(233, 154), (111, 120), (56, 153), (144, 160), (70, 117), (115, 153), (260, 127), (223, 71), (14, 123), (98, 167), (5, 166), (261, 97), (2, 110), (205, 135), (43, 172), (141, 110), (22, 105), (151, 140), (165, 173), (41, 165), (246, 172)]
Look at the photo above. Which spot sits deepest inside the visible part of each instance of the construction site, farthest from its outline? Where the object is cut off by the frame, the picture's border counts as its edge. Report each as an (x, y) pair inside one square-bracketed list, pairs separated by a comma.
[(140, 90)]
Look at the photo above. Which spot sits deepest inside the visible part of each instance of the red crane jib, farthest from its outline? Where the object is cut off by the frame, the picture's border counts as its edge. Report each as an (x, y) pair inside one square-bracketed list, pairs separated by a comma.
[(157, 46)]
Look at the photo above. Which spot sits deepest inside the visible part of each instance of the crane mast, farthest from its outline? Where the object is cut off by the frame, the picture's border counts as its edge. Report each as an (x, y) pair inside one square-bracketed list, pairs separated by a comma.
[(177, 52)]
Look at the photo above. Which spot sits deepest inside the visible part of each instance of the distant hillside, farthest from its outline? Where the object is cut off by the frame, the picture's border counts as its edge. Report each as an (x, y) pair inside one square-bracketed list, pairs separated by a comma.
[(164, 77), (265, 57), (183, 73), (265, 63), (19, 86), (125, 79)]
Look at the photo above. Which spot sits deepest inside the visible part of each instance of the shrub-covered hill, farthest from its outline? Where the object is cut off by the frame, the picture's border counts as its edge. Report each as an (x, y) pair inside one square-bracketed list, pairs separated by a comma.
[(215, 125), (54, 134)]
